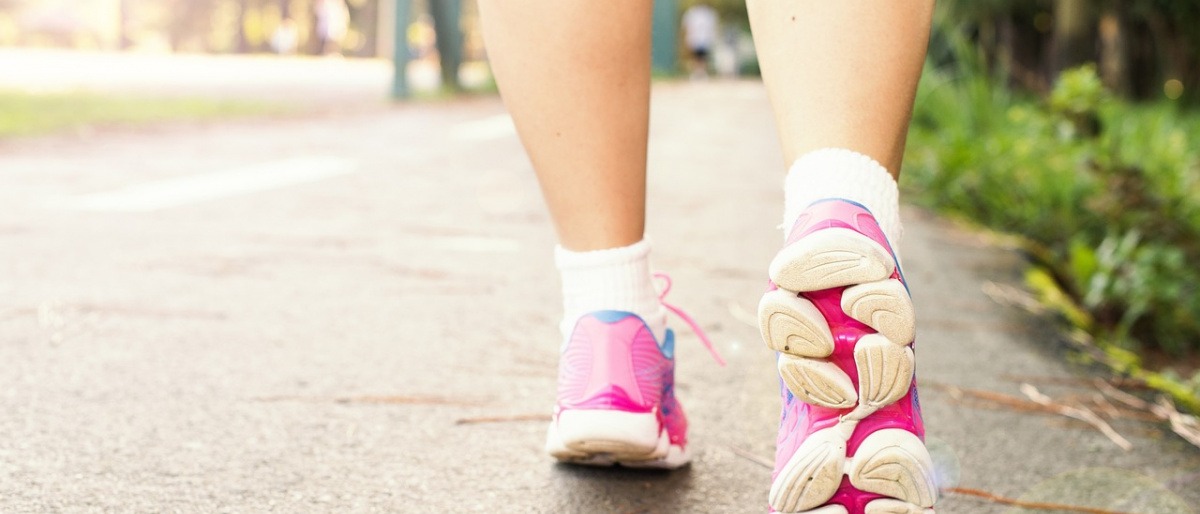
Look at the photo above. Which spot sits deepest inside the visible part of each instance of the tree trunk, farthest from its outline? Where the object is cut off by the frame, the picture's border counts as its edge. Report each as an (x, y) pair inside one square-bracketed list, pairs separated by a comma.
[(242, 44), (124, 42), (446, 20), (1073, 41), (1114, 51), (366, 19)]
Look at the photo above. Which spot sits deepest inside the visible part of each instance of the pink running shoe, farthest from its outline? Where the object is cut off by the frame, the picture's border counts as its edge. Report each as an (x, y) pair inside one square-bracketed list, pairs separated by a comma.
[(616, 393), (838, 312)]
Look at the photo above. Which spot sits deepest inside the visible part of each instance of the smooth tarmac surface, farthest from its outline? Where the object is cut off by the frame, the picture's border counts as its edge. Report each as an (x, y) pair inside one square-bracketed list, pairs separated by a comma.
[(383, 338)]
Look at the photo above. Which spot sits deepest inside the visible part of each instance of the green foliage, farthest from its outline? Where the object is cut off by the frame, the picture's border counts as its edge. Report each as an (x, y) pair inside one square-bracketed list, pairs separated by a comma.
[(1107, 193), (1079, 92), (28, 114)]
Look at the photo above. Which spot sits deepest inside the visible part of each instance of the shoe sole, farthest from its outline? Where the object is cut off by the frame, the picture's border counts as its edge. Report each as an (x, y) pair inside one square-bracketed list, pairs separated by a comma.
[(829, 258), (889, 462), (883, 506), (608, 437)]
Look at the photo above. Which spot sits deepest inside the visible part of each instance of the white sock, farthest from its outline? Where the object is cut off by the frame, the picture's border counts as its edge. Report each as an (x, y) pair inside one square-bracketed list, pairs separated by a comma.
[(841, 173), (612, 279)]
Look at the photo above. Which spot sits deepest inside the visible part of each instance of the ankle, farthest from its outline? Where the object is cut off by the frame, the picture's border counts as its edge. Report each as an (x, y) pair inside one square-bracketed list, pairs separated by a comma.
[(842, 173), (613, 279)]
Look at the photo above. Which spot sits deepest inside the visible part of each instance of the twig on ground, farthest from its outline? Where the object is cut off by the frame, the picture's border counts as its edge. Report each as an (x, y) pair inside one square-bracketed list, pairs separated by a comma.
[(994, 398), (502, 419), (393, 400), (1184, 425), (1023, 405), (1078, 412), (995, 498), (1121, 396), (1106, 406), (1078, 382), (1008, 295), (746, 454), (404, 400)]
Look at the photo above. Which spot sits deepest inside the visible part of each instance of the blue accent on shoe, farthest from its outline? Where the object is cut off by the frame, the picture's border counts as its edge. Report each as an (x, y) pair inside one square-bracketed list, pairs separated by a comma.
[(666, 346), (611, 316), (837, 199), (903, 281), (668, 390)]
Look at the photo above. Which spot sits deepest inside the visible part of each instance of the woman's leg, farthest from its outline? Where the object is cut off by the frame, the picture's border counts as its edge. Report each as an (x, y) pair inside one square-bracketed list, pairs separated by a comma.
[(575, 74), (842, 74), (841, 77)]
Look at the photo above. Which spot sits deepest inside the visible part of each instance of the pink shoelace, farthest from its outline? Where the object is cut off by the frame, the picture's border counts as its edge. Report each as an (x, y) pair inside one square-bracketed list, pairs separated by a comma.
[(712, 350)]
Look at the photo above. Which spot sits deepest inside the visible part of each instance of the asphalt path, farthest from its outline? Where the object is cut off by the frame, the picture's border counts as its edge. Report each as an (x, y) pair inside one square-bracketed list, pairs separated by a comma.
[(357, 313)]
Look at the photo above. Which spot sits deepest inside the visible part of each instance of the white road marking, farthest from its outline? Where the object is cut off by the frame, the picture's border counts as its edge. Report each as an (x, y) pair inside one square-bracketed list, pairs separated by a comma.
[(176, 192), (494, 127)]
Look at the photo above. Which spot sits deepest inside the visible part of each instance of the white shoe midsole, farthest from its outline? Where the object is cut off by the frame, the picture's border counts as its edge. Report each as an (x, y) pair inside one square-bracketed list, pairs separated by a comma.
[(593, 430), (603, 438)]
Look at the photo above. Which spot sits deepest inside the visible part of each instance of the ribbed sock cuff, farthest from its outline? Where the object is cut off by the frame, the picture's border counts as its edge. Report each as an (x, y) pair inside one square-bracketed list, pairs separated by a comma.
[(610, 279), (841, 173)]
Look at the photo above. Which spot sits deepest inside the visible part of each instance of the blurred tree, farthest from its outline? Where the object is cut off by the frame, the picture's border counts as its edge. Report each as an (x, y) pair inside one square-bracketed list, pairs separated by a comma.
[(446, 21), (1114, 47), (1172, 26), (242, 45), (124, 40), (1142, 49), (364, 20), (1073, 36), (189, 23)]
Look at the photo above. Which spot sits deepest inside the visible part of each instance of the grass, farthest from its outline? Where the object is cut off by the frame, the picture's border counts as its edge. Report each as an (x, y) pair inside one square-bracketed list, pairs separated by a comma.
[(28, 114), (1104, 194)]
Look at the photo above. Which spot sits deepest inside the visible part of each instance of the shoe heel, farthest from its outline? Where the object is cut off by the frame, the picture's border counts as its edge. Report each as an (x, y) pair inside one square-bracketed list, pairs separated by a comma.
[(834, 257), (616, 435)]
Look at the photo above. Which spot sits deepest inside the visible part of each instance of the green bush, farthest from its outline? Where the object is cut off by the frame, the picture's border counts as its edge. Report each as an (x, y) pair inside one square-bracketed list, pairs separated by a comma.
[(1106, 192)]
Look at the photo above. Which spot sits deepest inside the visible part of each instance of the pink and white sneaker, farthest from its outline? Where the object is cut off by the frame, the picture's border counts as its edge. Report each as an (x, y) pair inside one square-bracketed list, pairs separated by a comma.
[(851, 440), (616, 393)]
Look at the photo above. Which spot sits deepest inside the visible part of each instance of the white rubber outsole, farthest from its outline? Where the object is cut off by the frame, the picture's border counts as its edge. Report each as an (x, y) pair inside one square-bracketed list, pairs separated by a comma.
[(793, 325), (608, 437), (883, 305), (889, 462), (886, 506), (833, 257), (876, 507)]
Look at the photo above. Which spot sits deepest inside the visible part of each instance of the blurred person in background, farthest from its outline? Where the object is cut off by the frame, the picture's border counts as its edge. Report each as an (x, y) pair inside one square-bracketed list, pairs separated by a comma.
[(333, 21), (841, 77), (286, 37), (700, 24)]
